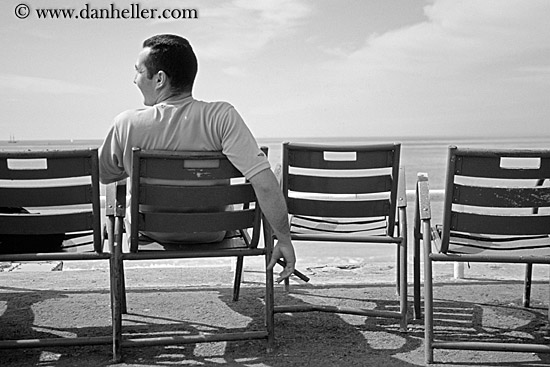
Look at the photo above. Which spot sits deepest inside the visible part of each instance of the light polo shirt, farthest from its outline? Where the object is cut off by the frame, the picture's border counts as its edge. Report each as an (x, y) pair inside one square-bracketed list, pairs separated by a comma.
[(180, 124)]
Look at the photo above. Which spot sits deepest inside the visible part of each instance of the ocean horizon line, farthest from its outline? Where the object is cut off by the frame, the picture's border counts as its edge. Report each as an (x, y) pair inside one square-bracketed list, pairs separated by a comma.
[(444, 139)]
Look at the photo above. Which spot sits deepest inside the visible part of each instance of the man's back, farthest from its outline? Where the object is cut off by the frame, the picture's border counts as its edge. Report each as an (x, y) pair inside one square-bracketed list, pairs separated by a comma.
[(181, 124)]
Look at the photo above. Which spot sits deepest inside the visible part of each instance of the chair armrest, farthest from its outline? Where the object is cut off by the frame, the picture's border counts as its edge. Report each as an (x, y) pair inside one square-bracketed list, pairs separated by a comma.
[(110, 194), (423, 197), (120, 199), (402, 189), (115, 199), (424, 208)]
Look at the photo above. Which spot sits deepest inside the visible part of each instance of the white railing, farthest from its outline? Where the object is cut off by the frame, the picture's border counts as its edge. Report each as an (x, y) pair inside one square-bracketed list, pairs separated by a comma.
[(435, 195)]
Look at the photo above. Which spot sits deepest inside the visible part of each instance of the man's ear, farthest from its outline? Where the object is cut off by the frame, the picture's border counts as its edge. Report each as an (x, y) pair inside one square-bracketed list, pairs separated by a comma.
[(161, 79)]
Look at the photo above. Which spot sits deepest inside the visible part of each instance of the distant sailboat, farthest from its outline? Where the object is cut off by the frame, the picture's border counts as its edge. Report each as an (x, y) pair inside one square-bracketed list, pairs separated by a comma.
[(12, 139)]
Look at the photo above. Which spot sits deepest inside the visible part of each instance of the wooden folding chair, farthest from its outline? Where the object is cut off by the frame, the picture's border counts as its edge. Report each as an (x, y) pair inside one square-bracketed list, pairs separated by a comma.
[(190, 192), (51, 195), (488, 217), (346, 194)]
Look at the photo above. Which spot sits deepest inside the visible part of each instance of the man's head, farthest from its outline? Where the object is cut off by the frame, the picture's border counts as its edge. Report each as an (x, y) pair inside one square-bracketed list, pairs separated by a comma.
[(167, 65)]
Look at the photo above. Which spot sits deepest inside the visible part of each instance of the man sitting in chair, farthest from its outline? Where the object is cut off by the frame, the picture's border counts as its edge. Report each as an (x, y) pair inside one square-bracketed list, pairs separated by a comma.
[(174, 120)]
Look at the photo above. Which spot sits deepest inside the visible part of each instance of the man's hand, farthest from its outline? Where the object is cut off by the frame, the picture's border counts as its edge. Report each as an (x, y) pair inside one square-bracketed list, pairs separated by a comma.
[(285, 251), (273, 206)]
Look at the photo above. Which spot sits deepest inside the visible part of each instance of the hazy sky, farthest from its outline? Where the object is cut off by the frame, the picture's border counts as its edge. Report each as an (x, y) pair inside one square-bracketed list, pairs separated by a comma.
[(292, 68)]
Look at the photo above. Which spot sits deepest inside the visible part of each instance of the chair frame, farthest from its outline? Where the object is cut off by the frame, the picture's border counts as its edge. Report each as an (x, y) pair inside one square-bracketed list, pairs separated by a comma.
[(428, 234), (192, 193), (58, 165), (380, 156)]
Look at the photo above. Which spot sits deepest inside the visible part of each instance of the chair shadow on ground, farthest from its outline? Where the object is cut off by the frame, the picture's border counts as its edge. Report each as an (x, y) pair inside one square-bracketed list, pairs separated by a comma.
[(490, 311), (32, 314), (302, 339)]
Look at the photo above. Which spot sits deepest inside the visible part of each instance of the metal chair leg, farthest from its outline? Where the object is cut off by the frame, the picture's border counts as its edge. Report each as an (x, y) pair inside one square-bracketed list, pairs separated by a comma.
[(238, 278), (527, 285)]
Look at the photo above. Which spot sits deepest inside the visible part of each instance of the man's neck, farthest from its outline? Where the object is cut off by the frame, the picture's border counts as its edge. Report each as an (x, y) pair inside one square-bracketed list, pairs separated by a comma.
[(173, 95)]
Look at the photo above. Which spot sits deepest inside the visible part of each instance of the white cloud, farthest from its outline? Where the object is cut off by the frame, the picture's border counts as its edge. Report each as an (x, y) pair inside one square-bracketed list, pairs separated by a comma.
[(459, 36), (242, 28), (470, 62), (27, 84)]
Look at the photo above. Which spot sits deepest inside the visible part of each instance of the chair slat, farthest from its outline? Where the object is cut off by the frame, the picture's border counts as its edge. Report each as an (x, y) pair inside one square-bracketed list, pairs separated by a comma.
[(500, 197), (61, 167), (529, 246), (504, 225), (196, 222), (46, 223), (196, 196), (339, 209), (304, 225), (45, 196), (364, 159), (339, 185), (176, 169), (490, 167)]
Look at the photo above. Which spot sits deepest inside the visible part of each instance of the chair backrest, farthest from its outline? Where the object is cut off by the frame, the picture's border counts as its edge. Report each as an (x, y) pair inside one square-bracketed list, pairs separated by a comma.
[(190, 192), (60, 189), (333, 181), (496, 193)]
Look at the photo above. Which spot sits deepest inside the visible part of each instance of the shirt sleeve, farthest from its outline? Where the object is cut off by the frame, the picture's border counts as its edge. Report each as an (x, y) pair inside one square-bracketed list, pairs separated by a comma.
[(111, 167), (240, 146)]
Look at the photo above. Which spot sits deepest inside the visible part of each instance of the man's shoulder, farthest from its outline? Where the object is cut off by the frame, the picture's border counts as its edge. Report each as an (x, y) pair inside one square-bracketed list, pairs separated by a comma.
[(214, 106), (134, 115)]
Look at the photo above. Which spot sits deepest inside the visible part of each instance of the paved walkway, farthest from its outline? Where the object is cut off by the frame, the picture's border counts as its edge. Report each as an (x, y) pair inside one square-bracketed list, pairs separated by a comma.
[(179, 299)]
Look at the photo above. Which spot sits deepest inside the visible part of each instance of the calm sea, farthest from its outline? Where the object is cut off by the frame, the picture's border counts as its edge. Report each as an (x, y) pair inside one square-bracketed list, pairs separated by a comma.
[(417, 154)]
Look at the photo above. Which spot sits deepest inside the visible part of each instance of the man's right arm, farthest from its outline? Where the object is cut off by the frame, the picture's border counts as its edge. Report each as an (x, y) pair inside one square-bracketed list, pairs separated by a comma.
[(274, 208), (111, 168)]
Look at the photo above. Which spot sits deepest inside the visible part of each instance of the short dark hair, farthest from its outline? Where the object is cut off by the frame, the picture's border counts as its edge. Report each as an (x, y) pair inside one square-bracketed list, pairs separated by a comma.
[(173, 55)]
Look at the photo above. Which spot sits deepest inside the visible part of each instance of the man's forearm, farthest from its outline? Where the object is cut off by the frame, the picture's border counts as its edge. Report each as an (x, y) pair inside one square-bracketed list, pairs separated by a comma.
[(272, 202), (273, 206)]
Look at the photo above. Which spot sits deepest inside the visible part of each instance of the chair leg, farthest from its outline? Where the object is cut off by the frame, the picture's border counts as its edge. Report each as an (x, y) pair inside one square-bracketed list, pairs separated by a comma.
[(287, 280), (116, 318), (527, 283), (402, 268), (238, 278), (269, 307), (116, 295), (549, 306), (428, 298), (398, 272), (416, 278), (417, 237), (403, 302), (287, 285), (114, 280), (119, 238), (122, 288)]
